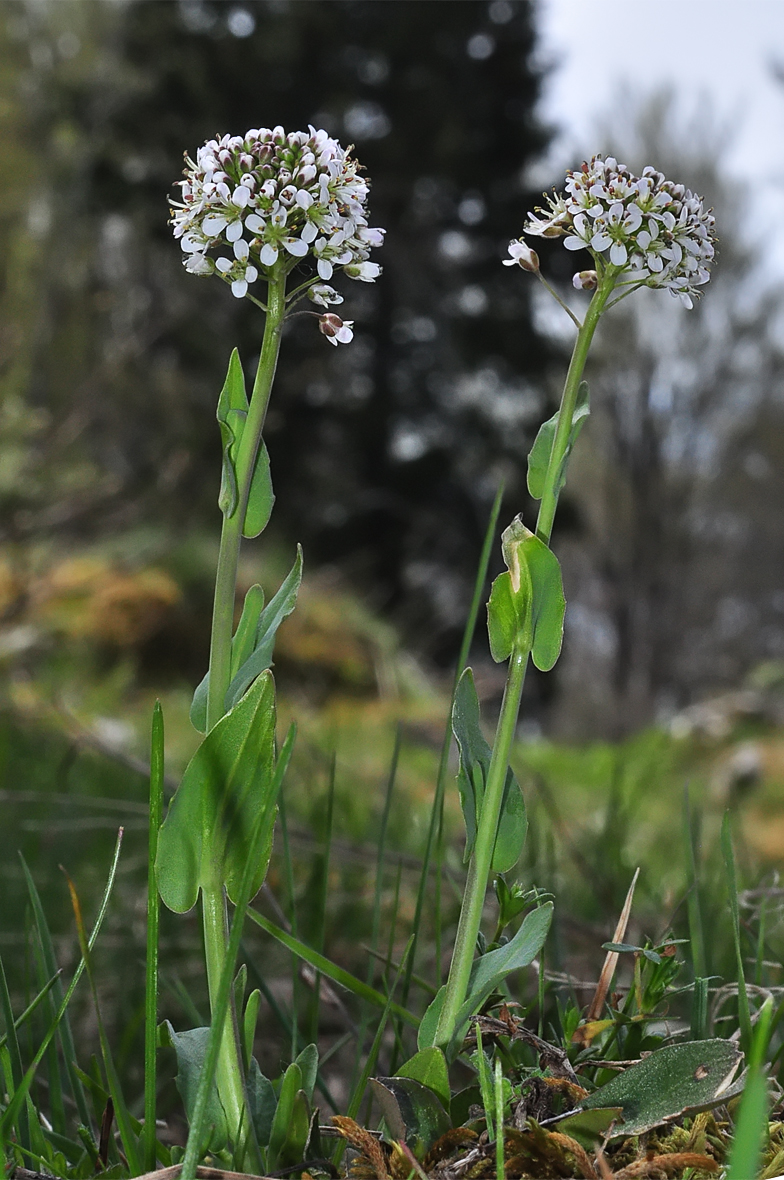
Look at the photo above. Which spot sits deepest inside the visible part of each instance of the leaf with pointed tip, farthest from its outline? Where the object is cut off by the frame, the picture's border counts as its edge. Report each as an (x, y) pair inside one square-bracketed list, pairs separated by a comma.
[(474, 764), (231, 414), (527, 605), (242, 646), (428, 1066), (214, 814), (509, 616), (412, 1112), (539, 457), (276, 610), (291, 1124), (191, 1049), (487, 973), (261, 497), (308, 1060), (262, 1102), (670, 1082)]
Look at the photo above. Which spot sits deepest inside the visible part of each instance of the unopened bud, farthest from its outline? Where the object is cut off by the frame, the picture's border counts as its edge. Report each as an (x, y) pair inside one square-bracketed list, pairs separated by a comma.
[(585, 280), (524, 256)]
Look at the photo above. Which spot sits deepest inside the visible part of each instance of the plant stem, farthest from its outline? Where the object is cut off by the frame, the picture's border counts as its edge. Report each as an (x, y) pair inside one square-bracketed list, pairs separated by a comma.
[(544, 521), (231, 533), (153, 915), (480, 865), (229, 1074)]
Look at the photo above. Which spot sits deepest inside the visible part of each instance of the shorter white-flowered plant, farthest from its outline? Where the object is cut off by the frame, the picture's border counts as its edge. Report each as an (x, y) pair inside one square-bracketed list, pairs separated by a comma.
[(336, 330), (252, 202), (650, 231)]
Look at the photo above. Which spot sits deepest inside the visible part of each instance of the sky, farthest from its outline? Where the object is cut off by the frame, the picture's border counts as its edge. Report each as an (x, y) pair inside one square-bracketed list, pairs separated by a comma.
[(719, 52)]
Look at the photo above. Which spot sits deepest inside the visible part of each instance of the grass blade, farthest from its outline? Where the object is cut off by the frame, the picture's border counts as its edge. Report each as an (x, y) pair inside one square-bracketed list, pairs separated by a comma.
[(12, 1110), (129, 1139), (744, 1015), (752, 1126), (15, 1059), (436, 814), (326, 967), (64, 1032), (153, 919), (288, 869), (320, 903), (696, 934), (31, 1007)]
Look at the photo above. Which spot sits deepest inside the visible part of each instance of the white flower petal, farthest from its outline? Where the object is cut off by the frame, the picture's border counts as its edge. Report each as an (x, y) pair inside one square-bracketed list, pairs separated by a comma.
[(223, 265), (600, 241), (618, 254), (324, 268), (309, 232), (234, 231), (269, 254), (213, 224), (241, 249), (255, 223), (575, 244), (239, 288), (296, 247)]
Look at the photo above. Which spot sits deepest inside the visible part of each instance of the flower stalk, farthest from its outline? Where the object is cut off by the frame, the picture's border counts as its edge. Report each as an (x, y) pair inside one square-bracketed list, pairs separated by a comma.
[(480, 865)]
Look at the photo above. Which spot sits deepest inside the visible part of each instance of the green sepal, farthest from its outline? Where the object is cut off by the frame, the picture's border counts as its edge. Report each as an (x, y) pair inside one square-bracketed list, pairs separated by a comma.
[(488, 973), (213, 816), (241, 647), (539, 456), (276, 610), (474, 763), (231, 413), (527, 605)]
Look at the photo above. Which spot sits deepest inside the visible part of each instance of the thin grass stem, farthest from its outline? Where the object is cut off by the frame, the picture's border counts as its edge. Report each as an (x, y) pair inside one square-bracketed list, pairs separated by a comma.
[(153, 919)]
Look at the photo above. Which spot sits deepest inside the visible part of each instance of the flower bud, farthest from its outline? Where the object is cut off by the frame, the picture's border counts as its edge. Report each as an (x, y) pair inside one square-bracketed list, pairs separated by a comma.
[(585, 280), (524, 256)]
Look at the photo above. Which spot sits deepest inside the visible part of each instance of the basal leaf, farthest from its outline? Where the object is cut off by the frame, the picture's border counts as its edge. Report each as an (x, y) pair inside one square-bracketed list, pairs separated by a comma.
[(290, 1087), (262, 1102), (428, 1066), (474, 762), (539, 457), (231, 413), (191, 1047), (276, 610), (308, 1060), (261, 496), (670, 1082), (412, 1112), (212, 818)]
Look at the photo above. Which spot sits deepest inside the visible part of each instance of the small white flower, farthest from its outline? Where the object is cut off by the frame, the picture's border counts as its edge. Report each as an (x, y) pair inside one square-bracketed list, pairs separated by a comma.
[(336, 330), (324, 295), (522, 255), (365, 272)]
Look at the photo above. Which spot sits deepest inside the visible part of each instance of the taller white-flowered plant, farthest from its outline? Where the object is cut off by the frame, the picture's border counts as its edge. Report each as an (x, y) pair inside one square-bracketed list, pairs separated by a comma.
[(255, 203), (651, 232)]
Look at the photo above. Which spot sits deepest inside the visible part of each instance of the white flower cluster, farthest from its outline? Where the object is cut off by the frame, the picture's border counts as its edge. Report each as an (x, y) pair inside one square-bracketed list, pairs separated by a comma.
[(657, 233), (253, 199)]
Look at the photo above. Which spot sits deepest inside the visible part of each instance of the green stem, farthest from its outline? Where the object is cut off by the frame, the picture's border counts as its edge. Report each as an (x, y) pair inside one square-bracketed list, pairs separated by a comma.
[(231, 534), (153, 915), (231, 1086), (480, 865), (481, 861), (544, 521)]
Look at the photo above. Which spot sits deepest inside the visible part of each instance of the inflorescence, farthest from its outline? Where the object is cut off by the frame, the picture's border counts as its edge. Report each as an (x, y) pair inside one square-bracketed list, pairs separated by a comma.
[(652, 232), (252, 202)]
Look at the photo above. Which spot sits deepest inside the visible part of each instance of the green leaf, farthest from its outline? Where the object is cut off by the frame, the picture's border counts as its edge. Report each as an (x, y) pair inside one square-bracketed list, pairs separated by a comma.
[(326, 967), (487, 973), (291, 1124), (260, 497), (474, 764), (308, 1061), (213, 815), (673, 1081), (526, 607), (412, 1112), (428, 1066), (191, 1047), (262, 1101), (278, 608), (231, 414), (241, 647), (539, 457), (588, 1126)]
